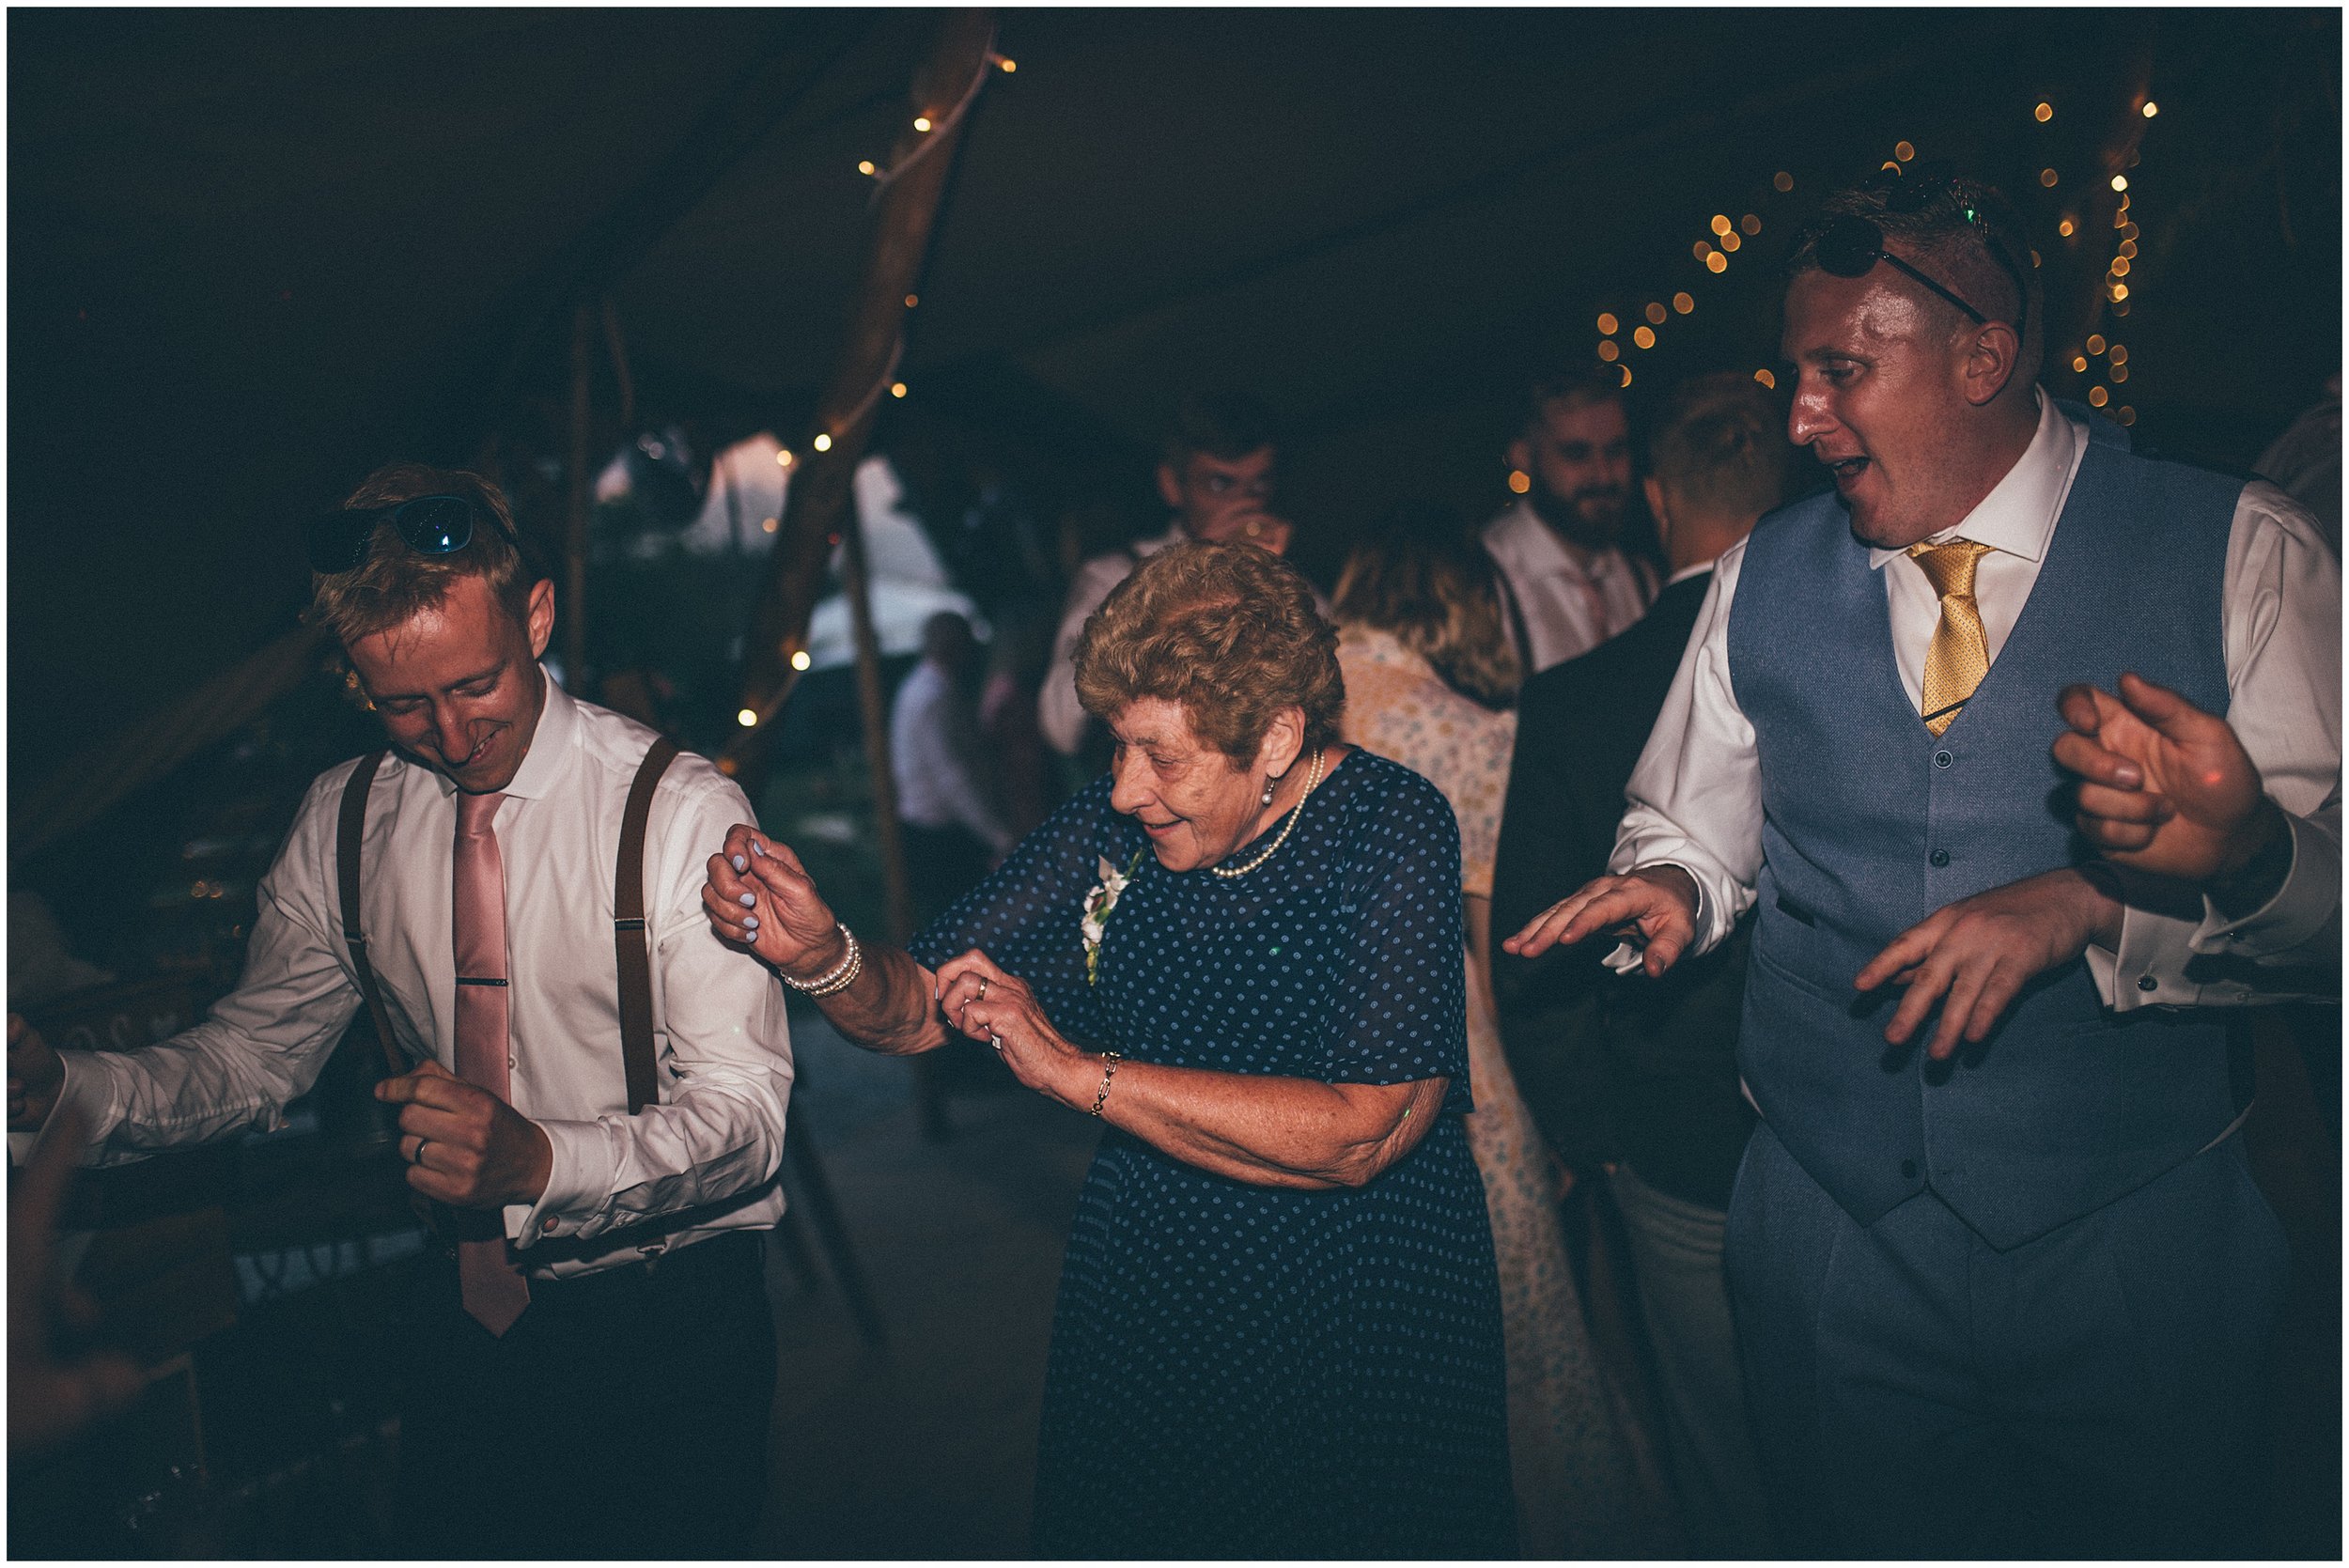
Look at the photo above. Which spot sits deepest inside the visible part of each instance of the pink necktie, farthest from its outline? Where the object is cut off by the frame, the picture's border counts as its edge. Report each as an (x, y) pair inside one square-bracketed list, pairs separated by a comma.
[(494, 1290)]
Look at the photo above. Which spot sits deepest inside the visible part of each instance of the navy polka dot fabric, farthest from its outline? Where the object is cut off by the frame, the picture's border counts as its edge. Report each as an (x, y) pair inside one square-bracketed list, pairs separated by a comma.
[(1239, 1371)]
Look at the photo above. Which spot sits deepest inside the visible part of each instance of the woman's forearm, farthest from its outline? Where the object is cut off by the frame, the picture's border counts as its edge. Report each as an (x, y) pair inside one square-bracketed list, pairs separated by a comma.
[(890, 1008), (1288, 1132)]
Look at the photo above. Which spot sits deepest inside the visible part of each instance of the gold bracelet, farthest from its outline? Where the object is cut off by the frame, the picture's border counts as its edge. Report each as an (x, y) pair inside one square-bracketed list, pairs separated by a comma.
[(1109, 1060)]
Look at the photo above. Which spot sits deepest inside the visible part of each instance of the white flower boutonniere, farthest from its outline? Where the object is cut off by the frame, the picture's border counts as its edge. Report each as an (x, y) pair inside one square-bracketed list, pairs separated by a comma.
[(1099, 904)]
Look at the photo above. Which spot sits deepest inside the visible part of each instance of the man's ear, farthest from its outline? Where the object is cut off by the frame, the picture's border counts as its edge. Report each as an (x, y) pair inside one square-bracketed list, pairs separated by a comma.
[(541, 621), (1653, 488), (1169, 487), (1992, 354), (1520, 455)]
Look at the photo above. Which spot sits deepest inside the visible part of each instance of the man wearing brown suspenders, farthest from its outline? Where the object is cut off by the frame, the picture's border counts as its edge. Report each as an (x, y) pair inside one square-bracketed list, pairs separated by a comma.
[(591, 1088)]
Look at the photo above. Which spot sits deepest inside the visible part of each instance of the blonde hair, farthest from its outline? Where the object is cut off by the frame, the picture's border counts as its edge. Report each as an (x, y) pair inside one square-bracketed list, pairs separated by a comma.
[(394, 583), (1228, 631), (1424, 579), (1722, 447)]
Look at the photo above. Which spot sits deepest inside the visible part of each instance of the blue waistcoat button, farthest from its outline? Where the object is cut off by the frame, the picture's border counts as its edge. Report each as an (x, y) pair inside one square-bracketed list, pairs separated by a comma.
[(1940, 857)]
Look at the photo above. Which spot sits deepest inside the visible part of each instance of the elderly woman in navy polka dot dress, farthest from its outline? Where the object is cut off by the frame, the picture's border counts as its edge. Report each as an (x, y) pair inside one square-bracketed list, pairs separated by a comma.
[(1278, 1329)]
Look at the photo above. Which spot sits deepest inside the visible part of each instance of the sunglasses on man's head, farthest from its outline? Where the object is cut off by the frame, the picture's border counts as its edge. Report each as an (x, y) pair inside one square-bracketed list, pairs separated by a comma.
[(1852, 244), (428, 524)]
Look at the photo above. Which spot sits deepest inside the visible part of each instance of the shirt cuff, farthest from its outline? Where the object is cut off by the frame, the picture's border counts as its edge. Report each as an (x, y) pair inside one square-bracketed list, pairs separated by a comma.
[(579, 1185), (2302, 907)]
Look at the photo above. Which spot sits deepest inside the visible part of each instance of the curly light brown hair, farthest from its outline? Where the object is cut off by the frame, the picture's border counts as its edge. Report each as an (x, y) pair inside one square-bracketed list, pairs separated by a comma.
[(1228, 631), (1422, 575), (394, 583)]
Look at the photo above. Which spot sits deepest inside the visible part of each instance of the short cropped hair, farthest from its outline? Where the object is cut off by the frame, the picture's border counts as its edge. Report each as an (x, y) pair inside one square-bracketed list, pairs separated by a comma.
[(1230, 632), (1959, 231), (394, 583), (1422, 577), (1225, 424), (1722, 446), (1594, 382)]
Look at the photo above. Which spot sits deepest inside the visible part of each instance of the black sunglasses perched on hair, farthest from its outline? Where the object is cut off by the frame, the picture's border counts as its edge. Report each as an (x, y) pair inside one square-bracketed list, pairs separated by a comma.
[(429, 525), (1852, 244)]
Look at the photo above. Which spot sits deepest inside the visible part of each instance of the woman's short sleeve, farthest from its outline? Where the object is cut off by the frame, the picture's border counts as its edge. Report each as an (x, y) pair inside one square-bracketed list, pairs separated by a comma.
[(1402, 1013), (1028, 915)]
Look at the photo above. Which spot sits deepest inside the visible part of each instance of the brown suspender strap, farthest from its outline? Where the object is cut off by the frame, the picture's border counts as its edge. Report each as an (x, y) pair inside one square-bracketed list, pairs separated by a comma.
[(350, 831), (628, 931)]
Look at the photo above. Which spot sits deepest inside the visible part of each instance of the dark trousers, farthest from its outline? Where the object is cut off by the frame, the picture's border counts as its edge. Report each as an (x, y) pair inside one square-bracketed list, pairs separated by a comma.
[(624, 1414), (2094, 1392)]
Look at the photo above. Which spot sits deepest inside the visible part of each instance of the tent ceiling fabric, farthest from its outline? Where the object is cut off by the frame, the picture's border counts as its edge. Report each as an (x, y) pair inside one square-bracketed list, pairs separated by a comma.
[(255, 253)]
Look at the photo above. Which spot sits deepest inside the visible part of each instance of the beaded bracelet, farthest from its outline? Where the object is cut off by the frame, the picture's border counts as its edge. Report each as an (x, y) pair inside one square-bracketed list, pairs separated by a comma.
[(841, 975), (1109, 1060)]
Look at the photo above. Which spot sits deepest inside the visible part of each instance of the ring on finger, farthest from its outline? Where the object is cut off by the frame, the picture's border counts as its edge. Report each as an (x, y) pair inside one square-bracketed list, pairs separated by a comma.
[(996, 1040), (983, 982), (418, 1159)]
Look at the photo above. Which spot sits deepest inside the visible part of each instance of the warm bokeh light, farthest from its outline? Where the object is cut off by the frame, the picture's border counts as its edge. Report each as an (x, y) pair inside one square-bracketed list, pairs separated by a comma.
[(2045, 112), (2120, 354), (1607, 350), (1730, 241), (2079, 364), (748, 718), (1702, 249), (1644, 338), (1654, 313), (2099, 397), (784, 459), (912, 299), (801, 660), (1717, 262), (2065, 228), (1751, 223), (2120, 266), (768, 525), (1720, 223), (865, 166), (2120, 292), (1903, 150), (2095, 343), (2152, 108), (2120, 374), (1783, 180), (1607, 322), (920, 122), (823, 444), (1684, 301), (1626, 373), (897, 389), (1009, 65), (1520, 481), (2048, 178), (2120, 182), (2126, 415), (1767, 379)]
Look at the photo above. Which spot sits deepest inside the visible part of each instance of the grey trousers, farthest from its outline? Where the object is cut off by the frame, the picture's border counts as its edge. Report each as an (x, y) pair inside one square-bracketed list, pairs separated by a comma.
[(1684, 1298), (2094, 1392)]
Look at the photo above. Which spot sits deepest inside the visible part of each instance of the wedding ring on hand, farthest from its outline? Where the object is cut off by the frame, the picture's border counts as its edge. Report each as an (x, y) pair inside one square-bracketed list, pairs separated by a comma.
[(418, 1159), (983, 982), (996, 1040)]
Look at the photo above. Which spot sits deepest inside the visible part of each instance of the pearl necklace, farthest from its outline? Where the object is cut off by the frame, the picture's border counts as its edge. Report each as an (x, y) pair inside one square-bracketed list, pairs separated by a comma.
[(1311, 778)]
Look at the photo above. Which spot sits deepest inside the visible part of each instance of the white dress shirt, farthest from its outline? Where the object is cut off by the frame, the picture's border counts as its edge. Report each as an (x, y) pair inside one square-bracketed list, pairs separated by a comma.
[(1696, 796), (1571, 598), (932, 742), (701, 1161), (1058, 713)]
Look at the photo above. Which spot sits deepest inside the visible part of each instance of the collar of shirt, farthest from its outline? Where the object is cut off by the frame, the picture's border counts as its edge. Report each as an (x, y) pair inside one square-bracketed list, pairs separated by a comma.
[(2018, 516), (1519, 533), (549, 757), (1692, 570)]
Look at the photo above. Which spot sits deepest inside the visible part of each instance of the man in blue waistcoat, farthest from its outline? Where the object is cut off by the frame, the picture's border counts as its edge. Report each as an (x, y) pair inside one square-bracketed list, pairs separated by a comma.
[(2002, 1276)]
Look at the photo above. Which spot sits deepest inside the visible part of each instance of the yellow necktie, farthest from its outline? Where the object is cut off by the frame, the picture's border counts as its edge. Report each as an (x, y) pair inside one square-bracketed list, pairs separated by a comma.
[(1959, 656)]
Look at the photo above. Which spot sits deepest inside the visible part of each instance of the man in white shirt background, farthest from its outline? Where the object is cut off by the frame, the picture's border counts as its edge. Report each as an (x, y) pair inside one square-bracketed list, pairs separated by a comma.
[(1217, 477), (591, 1375), (1560, 547), (2002, 1287)]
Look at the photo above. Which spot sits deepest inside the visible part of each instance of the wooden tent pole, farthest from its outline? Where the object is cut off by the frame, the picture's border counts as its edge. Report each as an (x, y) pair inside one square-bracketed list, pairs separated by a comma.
[(574, 611), (820, 483)]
